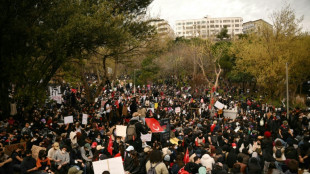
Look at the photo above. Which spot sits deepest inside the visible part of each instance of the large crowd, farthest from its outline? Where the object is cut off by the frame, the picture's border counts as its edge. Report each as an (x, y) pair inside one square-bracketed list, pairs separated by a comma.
[(261, 139)]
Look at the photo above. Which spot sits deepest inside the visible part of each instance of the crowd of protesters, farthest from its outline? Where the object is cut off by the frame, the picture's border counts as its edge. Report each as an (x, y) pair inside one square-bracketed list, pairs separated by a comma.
[(261, 139)]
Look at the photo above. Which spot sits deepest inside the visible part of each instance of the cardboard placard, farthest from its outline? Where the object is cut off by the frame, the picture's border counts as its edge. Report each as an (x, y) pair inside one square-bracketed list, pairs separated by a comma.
[(35, 151), (113, 165), (10, 148), (121, 130)]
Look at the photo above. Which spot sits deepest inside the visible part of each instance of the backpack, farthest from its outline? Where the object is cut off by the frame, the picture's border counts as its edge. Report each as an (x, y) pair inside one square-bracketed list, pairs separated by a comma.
[(214, 139), (152, 169), (278, 153), (131, 132), (261, 122)]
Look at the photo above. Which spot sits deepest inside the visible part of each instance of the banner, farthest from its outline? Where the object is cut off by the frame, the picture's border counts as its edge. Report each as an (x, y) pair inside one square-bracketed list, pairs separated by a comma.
[(121, 130), (84, 119), (154, 125), (113, 165), (165, 136), (68, 119), (146, 137)]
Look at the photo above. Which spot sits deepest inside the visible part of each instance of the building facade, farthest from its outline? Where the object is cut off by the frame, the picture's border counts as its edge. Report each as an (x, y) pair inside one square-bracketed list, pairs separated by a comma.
[(162, 27), (255, 26), (208, 27)]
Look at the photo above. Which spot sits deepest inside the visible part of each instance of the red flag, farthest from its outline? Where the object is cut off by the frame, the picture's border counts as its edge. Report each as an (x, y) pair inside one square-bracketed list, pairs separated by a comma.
[(154, 125), (186, 157), (110, 145)]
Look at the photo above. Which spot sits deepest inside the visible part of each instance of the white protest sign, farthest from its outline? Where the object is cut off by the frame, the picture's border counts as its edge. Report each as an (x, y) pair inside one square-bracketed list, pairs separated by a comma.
[(96, 99), (177, 110), (219, 105), (232, 114), (68, 119), (146, 137), (84, 119), (113, 165), (121, 130)]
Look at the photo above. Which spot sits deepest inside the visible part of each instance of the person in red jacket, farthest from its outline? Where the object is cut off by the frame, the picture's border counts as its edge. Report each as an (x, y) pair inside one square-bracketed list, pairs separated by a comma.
[(200, 140)]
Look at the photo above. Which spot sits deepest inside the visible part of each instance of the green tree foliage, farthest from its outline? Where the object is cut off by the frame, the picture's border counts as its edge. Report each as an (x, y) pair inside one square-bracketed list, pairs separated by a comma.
[(265, 54), (223, 34), (37, 37)]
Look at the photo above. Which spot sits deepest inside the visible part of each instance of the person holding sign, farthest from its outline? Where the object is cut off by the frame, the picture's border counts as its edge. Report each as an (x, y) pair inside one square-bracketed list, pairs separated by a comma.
[(133, 132)]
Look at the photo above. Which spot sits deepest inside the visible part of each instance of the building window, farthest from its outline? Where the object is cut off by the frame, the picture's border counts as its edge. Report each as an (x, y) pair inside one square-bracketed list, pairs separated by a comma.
[(236, 25), (237, 20), (211, 22), (203, 26), (211, 26), (226, 21), (189, 23), (216, 26), (203, 22)]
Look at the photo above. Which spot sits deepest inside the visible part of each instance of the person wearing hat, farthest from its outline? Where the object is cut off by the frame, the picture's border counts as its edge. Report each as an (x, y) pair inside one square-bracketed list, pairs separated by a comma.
[(75, 170), (87, 156), (134, 130), (52, 151)]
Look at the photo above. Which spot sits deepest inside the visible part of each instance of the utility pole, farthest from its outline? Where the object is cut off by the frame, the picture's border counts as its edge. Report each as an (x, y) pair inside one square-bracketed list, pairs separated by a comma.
[(287, 95), (134, 81)]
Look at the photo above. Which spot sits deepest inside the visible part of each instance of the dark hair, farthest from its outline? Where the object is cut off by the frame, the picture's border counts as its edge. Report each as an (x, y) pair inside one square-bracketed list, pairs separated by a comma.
[(28, 152), (106, 172), (196, 158), (293, 166), (134, 156), (156, 156), (42, 154), (239, 159), (236, 168)]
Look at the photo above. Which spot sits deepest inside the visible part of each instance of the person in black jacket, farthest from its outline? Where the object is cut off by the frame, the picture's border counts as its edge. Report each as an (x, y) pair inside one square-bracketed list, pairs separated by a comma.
[(29, 164), (136, 142)]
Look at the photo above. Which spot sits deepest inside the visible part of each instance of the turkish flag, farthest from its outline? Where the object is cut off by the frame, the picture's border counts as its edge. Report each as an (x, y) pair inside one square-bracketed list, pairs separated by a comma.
[(186, 157), (110, 145), (73, 90), (154, 125)]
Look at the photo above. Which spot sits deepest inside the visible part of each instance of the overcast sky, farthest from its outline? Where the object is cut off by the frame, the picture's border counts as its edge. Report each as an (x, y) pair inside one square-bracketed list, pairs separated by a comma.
[(172, 10)]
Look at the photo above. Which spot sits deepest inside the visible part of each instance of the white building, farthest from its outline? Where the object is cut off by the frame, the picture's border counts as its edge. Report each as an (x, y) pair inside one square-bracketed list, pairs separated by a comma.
[(162, 27), (208, 27)]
